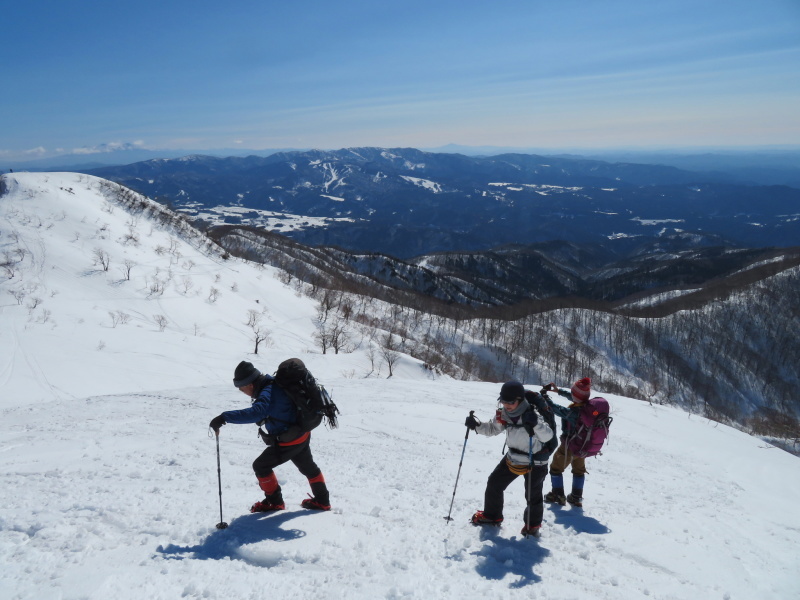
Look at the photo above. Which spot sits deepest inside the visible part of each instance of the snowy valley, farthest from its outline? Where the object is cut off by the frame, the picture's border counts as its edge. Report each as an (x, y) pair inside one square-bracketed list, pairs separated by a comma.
[(120, 327)]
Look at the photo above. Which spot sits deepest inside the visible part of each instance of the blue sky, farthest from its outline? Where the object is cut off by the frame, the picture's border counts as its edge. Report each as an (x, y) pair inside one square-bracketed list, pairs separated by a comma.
[(178, 74)]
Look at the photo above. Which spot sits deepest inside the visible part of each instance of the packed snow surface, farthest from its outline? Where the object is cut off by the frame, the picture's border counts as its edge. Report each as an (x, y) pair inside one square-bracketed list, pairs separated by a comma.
[(108, 474)]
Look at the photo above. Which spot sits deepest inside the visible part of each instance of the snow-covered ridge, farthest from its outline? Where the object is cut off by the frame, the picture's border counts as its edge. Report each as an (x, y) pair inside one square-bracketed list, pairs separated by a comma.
[(541, 189), (423, 183), (92, 282)]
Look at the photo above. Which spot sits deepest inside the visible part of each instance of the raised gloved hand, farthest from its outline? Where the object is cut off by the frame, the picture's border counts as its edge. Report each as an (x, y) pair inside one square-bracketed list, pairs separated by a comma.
[(471, 422), (550, 387), (216, 423)]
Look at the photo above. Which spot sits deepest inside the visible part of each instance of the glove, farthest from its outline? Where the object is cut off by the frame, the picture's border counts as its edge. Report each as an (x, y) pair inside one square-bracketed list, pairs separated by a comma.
[(530, 418), (216, 423), (471, 422), (529, 421), (535, 399), (550, 387)]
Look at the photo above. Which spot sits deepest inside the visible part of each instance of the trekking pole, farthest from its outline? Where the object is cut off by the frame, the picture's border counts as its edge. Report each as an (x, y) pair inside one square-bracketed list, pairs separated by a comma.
[(530, 480), (222, 524), (448, 518)]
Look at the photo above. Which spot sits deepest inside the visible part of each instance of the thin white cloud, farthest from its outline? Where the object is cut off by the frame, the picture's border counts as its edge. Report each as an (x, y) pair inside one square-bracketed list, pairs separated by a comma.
[(108, 147), (39, 151)]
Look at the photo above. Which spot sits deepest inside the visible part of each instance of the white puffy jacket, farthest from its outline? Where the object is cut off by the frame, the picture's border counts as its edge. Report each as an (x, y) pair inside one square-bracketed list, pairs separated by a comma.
[(517, 438)]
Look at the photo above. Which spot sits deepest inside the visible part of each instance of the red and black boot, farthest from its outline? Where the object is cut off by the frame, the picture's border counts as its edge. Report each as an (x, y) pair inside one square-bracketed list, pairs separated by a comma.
[(480, 518), (274, 498), (321, 499)]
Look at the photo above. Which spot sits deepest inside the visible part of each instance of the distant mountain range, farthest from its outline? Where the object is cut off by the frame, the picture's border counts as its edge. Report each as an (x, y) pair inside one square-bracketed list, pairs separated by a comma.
[(407, 203)]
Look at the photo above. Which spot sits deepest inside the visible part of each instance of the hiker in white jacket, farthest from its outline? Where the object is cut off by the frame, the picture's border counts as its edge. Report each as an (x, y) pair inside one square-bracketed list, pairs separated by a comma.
[(526, 435)]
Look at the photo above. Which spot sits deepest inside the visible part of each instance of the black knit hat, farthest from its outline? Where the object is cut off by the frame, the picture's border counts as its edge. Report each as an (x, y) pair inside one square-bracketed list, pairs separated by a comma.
[(512, 390), (245, 374)]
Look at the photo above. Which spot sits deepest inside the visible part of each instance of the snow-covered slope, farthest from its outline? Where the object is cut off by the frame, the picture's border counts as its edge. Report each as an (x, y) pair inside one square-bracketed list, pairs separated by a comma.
[(108, 482), (72, 329)]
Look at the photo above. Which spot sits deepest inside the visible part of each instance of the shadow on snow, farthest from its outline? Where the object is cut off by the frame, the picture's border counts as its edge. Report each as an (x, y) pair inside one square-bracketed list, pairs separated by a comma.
[(242, 532), (573, 518), (499, 557)]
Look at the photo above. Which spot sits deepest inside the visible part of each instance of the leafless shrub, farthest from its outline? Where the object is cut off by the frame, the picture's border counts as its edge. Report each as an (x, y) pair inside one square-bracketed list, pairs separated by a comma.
[(127, 266), (161, 321), (119, 317), (33, 302), (186, 284), (101, 258), (156, 287)]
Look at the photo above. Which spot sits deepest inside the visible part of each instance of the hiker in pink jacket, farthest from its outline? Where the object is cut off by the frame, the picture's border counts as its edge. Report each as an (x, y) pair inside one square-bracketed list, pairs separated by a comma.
[(563, 458)]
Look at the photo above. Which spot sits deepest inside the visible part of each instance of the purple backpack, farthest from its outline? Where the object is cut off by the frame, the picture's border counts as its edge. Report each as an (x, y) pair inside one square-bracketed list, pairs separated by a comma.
[(591, 430)]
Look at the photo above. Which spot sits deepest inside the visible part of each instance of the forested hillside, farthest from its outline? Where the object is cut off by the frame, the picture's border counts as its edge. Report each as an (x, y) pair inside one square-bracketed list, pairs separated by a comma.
[(727, 349)]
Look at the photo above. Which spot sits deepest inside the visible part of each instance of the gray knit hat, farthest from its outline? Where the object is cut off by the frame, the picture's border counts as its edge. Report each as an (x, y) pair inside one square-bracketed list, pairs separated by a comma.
[(245, 374)]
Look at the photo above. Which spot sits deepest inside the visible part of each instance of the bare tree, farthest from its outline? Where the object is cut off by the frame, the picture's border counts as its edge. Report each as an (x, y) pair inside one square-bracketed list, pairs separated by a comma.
[(102, 258), (339, 336), (260, 333), (9, 264), (126, 268), (157, 287), (161, 321), (390, 357), (370, 352), (187, 284), (19, 295), (33, 302), (322, 336)]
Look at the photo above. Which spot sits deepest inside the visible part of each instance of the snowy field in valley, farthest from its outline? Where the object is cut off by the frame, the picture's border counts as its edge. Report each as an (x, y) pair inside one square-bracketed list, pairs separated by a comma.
[(108, 475)]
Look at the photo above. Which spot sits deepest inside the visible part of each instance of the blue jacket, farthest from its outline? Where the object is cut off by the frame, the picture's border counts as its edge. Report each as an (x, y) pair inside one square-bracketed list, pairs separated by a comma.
[(271, 405), (569, 415)]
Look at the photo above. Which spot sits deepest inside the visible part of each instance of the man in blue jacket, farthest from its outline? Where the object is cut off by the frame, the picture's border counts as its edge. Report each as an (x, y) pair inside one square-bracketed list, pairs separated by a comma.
[(273, 410)]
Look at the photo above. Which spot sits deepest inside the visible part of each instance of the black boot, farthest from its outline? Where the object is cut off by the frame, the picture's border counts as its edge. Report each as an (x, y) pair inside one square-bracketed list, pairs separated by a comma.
[(556, 495), (576, 498), (320, 492)]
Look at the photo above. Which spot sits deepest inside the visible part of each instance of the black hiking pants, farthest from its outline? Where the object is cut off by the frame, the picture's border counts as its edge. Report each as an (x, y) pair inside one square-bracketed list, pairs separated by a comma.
[(501, 478), (300, 455)]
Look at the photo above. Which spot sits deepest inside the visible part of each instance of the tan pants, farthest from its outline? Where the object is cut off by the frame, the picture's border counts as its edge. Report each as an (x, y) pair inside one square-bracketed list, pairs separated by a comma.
[(564, 458)]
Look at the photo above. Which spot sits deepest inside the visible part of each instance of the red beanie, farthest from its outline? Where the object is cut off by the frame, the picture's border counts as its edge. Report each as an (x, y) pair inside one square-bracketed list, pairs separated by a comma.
[(580, 389)]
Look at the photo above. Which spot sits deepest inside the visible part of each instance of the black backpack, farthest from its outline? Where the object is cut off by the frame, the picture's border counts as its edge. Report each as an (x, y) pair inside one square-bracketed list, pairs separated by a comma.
[(537, 401), (313, 402)]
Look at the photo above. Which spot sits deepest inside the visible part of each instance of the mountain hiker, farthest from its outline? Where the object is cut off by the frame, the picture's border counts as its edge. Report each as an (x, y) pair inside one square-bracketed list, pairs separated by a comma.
[(526, 435), (578, 395), (274, 410)]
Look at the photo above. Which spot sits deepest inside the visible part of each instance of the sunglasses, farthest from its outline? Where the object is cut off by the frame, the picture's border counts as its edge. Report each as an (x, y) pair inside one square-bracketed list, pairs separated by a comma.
[(505, 401)]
